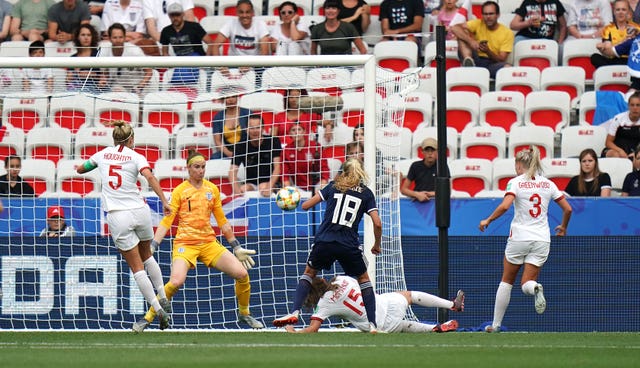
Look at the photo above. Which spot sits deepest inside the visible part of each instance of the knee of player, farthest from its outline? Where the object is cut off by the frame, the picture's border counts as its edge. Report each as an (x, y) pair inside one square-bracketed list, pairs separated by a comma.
[(240, 274)]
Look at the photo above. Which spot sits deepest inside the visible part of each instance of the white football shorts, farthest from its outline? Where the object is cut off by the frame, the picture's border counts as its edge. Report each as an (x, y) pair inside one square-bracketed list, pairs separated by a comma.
[(533, 252), (390, 311), (129, 227)]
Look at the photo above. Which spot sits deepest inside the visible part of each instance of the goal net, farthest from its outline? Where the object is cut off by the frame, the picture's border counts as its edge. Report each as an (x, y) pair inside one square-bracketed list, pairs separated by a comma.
[(56, 113)]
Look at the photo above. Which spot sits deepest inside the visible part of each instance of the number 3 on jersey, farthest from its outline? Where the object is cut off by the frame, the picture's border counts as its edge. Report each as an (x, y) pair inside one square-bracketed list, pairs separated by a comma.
[(346, 209), (113, 172)]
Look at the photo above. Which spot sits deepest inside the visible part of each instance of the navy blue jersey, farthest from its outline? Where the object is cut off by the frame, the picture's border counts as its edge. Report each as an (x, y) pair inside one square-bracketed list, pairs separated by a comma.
[(343, 214)]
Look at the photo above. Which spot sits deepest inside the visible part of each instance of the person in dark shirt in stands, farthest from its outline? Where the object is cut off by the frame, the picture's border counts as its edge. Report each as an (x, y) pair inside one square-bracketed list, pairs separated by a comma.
[(11, 184), (423, 173)]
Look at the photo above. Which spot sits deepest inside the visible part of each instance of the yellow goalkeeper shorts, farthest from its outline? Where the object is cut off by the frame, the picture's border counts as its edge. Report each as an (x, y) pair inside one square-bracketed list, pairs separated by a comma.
[(207, 253)]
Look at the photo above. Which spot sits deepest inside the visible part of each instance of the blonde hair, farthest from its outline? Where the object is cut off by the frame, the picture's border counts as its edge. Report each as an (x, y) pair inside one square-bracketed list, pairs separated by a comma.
[(122, 131), (530, 160), (352, 175)]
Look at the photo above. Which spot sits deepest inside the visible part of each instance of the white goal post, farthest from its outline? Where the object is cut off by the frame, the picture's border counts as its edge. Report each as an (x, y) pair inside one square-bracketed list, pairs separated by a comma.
[(81, 282)]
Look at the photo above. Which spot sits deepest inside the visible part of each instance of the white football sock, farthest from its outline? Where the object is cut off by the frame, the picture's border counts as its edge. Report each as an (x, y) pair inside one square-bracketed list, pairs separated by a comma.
[(414, 327), (146, 288), (155, 274), (428, 300), (503, 296), (529, 287)]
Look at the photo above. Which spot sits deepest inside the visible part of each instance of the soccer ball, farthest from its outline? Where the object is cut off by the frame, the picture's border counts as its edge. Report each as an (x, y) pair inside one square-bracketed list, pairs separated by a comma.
[(288, 198)]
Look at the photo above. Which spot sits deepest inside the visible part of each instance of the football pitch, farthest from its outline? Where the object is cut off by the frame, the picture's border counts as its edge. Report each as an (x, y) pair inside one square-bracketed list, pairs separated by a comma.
[(325, 349)]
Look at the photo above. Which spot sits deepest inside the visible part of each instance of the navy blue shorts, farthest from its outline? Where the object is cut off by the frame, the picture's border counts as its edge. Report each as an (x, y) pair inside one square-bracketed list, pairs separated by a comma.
[(350, 257)]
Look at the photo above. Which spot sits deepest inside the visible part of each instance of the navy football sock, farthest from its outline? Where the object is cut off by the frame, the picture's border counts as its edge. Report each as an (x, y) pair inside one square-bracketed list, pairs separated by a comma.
[(369, 299), (302, 290)]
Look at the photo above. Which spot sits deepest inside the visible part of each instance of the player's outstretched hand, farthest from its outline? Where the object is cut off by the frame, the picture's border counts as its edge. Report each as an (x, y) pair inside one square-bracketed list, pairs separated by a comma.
[(243, 255), (561, 231), (484, 224)]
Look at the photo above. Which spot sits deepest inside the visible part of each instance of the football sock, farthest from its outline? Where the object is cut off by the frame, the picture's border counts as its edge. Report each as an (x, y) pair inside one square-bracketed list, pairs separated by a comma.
[(369, 300), (146, 288), (243, 292), (529, 287), (503, 296), (155, 274), (170, 290), (415, 327), (302, 290), (428, 300)]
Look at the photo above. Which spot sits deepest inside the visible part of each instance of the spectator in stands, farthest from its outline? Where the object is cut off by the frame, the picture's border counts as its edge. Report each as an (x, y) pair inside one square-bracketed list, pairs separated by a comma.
[(37, 80), (65, 19), (185, 37), (260, 154), (631, 184), (333, 36), (86, 79), (291, 36), (29, 20), (616, 32), (354, 149), (11, 184), (156, 15), (587, 18), (484, 42), (325, 134), (423, 173), (292, 114), (356, 12), (5, 19), (590, 182), (229, 126), (134, 80), (56, 225), (302, 164), (539, 19), (245, 34), (623, 131), (128, 13), (444, 16), (634, 11), (402, 20), (95, 7)]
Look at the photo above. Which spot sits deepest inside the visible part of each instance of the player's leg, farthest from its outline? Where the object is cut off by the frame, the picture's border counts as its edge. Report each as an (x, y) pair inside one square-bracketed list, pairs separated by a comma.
[(533, 263), (354, 264), (503, 295), (144, 231)]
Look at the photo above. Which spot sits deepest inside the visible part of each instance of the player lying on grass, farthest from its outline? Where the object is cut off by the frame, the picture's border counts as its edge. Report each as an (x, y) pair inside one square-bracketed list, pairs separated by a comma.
[(342, 298)]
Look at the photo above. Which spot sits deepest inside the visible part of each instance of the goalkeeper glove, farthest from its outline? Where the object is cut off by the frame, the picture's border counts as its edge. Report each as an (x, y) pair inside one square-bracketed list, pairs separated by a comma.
[(243, 255), (154, 246)]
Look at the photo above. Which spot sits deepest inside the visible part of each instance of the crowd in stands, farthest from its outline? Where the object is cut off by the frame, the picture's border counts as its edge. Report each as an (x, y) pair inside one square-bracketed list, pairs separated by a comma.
[(288, 147)]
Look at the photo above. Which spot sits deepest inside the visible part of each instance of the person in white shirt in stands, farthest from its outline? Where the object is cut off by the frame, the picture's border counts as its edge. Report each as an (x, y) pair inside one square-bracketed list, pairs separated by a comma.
[(246, 35), (36, 80), (587, 18), (291, 36), (133, 80), (129, 13), (529, 236), (56, 225), (156, 16), (128, 215)]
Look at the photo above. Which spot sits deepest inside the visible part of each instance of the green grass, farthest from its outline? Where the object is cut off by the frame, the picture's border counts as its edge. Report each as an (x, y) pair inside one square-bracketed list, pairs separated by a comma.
[(325, 349)]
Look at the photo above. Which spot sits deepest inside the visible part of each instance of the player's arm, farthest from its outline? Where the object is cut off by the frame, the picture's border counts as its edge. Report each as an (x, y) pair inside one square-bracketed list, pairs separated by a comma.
[(86, 167), (309, 203), (499, 211), (377, 231), (561, 230), (313, 327), (155, 185)]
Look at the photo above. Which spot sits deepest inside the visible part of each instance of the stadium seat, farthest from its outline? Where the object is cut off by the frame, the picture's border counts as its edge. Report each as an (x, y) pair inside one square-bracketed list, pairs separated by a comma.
[(612, 78), (523, 79), (462, 109), (385, 81), (14, 48), (228, 7), (284, 77), (451, 54), (352, 113), (330, 80), (576, 138), (170, 173), (427, 80), (569, 79), (56, 49), (335, 166), (587, 108), (337, 151), (235, 81), (189, 87), (490, 194), (548, 108), (11, 141), (504, 169), (432, 132), (203, 8), (48, 143), (396, 56), (213, 23), (158, 112), (617, 168), (25, 111), (305, 7), (577, 52), (68, 180), (373, 34), (502, 109), (474, 80), (470, 175), (267, 104), (412, 111), (537, 53), (90, 140), (271, 21), (389, 141), (71, 111), (40, 174), (522, 137), (560, 170), (342, 134), (116, 106), (217, 171), (205, 107), (152, 143), (483, 141), (198, 138)]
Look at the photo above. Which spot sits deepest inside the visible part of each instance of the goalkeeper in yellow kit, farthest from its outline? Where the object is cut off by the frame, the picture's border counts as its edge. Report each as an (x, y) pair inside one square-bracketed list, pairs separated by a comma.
[(193, 202)]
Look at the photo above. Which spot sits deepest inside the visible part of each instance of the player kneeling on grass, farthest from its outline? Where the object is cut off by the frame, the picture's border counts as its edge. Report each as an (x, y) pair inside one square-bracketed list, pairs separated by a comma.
[(193, 202), (342, 298)]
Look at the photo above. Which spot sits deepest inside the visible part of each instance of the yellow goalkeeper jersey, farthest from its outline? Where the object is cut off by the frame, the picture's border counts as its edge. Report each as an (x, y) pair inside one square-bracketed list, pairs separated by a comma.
[(194, 207)]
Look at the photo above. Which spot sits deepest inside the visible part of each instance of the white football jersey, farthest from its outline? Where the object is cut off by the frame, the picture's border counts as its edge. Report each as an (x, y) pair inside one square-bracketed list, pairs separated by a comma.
[(119, 167), (344, 302), (532, 197)]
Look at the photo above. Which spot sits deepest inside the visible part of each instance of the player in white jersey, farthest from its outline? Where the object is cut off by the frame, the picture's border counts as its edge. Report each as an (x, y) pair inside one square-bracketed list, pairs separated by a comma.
[(342, 298), (128, 215), (529, 238)]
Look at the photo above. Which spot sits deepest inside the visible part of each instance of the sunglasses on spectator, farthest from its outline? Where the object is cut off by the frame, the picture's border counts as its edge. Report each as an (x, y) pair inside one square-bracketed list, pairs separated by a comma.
[(286, 12)]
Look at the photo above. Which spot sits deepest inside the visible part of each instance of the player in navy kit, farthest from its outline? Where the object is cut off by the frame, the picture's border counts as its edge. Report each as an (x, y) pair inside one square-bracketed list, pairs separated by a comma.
[(348, 198)]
